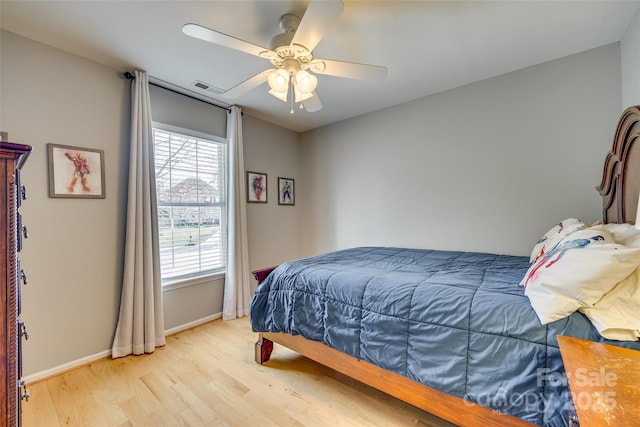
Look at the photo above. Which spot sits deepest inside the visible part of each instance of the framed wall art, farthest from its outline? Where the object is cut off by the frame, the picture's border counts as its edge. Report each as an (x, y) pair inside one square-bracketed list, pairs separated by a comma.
[(286, 191), (256, 187), (76, 172)]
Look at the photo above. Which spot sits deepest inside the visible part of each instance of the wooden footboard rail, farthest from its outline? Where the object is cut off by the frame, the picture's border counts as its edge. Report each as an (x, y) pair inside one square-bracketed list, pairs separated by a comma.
[(454, 409), (451, 408)]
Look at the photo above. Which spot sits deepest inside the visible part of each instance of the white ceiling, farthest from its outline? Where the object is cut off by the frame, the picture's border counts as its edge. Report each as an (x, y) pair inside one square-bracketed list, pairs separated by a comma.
[(428, 46)]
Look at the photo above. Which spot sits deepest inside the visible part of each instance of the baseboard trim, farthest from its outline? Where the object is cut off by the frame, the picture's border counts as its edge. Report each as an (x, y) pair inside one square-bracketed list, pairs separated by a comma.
[(58, 370), (193, 324)]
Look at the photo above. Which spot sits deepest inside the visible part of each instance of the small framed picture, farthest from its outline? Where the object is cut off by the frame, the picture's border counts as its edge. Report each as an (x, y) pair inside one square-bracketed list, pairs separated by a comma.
[(286, 191), (4, 136), (76, 172), (256, 187)]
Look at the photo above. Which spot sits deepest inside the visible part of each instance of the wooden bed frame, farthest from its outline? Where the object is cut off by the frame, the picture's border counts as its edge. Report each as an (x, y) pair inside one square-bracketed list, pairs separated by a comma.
[(620, 184), (619, 188)]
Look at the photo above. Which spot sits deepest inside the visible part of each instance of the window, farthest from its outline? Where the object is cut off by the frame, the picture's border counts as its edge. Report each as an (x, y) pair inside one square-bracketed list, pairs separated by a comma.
[(190, 184)]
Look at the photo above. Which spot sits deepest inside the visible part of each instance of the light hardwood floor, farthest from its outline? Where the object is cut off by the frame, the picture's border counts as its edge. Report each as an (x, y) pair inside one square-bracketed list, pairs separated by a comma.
[(206, 376)]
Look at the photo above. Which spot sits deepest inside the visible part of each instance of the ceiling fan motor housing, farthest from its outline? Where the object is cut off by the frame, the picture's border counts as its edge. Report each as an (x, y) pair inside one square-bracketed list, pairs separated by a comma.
[(289, 24), (291, 57)]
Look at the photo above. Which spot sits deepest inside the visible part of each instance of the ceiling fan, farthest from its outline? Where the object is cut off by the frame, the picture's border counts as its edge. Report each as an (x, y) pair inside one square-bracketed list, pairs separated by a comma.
[(291, 53)]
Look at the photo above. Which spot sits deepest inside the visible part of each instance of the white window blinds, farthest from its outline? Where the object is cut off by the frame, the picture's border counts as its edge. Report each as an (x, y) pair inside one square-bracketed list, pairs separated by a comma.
[(190, 182)]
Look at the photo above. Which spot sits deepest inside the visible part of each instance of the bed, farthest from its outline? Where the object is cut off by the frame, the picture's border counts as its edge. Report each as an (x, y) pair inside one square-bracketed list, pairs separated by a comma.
[(470, 337)]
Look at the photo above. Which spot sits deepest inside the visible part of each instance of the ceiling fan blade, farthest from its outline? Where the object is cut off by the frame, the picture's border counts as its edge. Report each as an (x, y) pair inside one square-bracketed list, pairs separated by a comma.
[(351, 70), (312, 104), (319, 16), (244, 87), (211, 36)]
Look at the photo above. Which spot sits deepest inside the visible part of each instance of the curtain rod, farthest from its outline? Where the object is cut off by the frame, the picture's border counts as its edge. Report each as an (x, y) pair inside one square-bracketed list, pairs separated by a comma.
[(130, 76)]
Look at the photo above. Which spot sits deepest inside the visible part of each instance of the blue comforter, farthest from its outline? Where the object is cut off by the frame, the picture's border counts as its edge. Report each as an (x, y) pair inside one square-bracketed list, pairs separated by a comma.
[(454, 321)]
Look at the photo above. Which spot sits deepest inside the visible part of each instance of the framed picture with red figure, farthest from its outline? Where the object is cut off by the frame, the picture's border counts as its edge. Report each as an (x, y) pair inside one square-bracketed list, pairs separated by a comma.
[(256, 187), (76, 172)]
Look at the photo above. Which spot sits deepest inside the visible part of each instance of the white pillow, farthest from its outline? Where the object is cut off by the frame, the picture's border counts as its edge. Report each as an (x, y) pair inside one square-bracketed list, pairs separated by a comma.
[(625, 234), (552, 237), (615, 315), (577, 273)]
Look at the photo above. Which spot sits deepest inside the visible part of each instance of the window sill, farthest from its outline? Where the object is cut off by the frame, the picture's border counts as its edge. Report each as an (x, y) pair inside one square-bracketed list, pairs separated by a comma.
[(192, 281)]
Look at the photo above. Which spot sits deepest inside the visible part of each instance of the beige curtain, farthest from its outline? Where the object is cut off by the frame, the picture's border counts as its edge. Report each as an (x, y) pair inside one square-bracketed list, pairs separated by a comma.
[(236, 285), (140, 324)]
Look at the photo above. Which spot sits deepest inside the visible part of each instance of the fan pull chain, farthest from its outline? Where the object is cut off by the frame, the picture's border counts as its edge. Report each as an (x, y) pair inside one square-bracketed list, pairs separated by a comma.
[(291, 94)]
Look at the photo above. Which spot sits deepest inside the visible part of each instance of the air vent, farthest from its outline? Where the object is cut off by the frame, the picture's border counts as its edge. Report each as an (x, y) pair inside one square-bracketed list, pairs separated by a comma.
[(200, 85)]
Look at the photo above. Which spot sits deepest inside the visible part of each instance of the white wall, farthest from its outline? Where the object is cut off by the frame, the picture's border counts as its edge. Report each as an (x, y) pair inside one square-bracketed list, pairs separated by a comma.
[(74, 256), (274, 230), (630, 46), (486, 167)]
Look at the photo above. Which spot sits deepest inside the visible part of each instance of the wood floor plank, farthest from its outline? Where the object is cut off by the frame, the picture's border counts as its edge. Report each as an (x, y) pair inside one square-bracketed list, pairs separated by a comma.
[(64, 397), (42, 410), (166, 395), (206, 376)]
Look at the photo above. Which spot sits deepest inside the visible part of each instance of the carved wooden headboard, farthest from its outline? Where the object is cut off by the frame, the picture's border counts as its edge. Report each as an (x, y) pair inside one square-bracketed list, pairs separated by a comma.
[(620, 185)]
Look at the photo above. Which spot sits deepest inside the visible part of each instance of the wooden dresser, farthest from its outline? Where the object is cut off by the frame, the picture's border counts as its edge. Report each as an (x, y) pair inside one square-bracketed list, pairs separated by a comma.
[(604, 382), (12, 330)]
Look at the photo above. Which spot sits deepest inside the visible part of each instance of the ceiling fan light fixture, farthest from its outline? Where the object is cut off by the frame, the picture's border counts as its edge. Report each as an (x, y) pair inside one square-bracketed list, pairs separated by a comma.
[(278, 81), (305, 82), (301, 96), (282, 96)]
